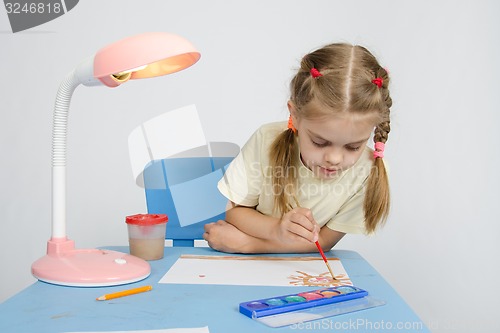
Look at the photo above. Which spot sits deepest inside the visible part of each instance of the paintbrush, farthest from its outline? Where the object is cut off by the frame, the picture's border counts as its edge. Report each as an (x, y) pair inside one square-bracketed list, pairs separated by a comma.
[(325, 260), (317, 244)]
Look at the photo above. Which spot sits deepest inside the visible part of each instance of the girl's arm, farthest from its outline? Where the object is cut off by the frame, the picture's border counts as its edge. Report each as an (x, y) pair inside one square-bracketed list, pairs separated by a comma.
[(295, 226), (249, 231)]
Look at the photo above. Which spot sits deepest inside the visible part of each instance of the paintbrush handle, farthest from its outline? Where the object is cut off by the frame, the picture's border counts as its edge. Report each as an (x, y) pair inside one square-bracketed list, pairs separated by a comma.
[(317, 244), (324, 259), (321, 251)]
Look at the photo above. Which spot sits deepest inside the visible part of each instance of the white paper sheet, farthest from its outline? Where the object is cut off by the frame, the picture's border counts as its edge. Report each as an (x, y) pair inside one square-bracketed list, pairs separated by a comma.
[(256, 271), (167, 330)]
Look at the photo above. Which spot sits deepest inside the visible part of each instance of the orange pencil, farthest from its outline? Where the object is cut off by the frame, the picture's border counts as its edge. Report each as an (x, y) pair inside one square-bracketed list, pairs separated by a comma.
[(124, 293)]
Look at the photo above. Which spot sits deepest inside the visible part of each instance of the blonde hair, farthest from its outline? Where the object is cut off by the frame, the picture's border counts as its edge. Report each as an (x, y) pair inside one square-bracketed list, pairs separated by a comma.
[(344, 86)]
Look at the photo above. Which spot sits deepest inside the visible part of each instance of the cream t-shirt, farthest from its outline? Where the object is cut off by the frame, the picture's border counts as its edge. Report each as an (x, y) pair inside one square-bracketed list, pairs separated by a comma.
[(336, 202)]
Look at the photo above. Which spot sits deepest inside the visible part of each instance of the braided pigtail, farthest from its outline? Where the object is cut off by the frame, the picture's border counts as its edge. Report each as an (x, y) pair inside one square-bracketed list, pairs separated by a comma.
[(377, 196)]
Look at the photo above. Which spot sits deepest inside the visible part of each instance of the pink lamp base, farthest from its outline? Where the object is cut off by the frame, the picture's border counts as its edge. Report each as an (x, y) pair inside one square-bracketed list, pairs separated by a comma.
[(88, 267)]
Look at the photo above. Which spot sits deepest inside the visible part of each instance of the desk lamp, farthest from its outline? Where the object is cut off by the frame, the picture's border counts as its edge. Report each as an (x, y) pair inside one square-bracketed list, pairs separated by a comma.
[(141, 56)]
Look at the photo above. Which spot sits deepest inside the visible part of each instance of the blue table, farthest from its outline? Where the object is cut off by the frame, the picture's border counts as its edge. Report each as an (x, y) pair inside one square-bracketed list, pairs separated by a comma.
[(43, 307)]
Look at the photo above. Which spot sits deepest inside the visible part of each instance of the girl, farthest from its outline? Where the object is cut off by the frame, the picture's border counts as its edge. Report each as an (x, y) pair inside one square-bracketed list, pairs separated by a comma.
[(313, 179)]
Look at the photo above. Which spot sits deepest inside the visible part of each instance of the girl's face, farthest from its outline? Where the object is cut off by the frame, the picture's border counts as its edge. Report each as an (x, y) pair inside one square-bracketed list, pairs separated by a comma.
[(332, 144)]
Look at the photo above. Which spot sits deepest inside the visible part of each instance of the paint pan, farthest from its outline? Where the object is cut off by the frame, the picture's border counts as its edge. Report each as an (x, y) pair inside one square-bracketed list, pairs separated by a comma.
[(308, 305)]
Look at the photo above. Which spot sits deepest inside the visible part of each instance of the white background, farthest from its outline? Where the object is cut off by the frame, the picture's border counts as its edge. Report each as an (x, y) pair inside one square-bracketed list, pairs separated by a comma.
[(439, 249)]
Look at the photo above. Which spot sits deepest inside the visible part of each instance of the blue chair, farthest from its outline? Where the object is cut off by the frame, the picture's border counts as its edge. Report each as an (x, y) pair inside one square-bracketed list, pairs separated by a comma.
[(184, 187)]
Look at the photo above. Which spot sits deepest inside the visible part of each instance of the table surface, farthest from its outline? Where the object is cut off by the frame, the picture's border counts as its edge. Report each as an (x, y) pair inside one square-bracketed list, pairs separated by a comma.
[(43, 307)]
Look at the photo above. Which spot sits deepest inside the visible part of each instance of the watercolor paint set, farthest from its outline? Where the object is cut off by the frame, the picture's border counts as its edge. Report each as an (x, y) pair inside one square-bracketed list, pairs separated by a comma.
[(303, 300), (308, 305)]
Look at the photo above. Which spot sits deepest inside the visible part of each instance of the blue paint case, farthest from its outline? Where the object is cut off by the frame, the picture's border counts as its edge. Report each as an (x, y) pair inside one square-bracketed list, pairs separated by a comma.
[(304, 300)]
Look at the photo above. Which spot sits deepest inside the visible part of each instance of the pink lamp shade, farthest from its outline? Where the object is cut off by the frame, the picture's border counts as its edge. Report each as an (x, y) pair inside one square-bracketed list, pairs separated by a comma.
[(146, 55)]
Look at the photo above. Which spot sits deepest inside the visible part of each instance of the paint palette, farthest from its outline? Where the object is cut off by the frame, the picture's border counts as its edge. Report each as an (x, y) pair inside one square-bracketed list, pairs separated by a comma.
[(304, 300)]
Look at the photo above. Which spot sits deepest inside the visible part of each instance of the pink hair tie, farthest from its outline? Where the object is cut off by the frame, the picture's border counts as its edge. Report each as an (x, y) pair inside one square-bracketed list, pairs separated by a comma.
[(315, 73), (379, 150), (378, 82)]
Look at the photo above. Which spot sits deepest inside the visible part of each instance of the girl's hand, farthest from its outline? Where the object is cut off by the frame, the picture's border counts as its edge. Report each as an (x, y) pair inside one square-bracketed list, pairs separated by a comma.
[(225, 237), (298, 225)]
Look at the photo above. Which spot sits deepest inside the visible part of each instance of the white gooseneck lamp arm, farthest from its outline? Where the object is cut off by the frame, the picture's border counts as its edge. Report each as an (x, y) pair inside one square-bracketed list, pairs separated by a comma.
[(82, 75)]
